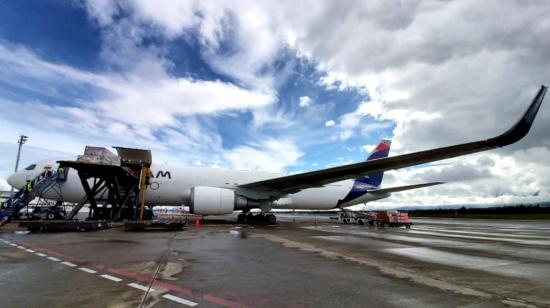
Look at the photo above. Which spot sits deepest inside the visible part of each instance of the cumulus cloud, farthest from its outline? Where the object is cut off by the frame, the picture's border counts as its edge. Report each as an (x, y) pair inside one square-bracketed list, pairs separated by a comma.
[(442, 72), (129, 108), (305, 101), (330, 123), (270, 155), (423, 63), (428, 68), (239, 39)]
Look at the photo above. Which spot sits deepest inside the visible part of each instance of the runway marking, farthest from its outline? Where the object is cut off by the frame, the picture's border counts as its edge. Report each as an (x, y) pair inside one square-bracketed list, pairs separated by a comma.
[(180, 300), (68, 264), (12, 244), (87, 270), (30, 250), (140, 287), (21, 247), (142, 278), (113, 278)]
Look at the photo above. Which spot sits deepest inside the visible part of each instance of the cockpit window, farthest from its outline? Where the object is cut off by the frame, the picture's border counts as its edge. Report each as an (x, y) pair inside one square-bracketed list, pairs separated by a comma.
[(31, 167)]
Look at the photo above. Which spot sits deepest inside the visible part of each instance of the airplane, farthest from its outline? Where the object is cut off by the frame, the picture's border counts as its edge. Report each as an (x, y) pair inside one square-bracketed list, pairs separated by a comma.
[(215, 191)]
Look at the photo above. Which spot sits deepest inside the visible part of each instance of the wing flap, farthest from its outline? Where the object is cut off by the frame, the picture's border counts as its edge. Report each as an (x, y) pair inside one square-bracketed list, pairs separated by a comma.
[(294, 183)]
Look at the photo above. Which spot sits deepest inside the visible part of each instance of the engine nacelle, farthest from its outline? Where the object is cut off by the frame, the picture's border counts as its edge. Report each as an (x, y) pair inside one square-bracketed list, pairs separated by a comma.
[(212, 200), (207, 200)]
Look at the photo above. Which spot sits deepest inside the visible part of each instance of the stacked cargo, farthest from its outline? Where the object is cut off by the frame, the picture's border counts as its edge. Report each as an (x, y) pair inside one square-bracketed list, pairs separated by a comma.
[(98, 155), (391, 218)]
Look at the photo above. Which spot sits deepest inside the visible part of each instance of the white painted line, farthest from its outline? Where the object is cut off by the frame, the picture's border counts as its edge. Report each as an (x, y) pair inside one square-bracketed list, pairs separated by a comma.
[(87, 270), (179, 300), (140, 287), (41, 254), (53, 259), (113, 278), (12, 244), (21, 247), (68, 264), (30, 250)]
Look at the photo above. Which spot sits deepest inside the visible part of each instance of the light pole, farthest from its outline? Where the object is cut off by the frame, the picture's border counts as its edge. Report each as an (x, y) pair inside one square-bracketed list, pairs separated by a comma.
[(21, 141)]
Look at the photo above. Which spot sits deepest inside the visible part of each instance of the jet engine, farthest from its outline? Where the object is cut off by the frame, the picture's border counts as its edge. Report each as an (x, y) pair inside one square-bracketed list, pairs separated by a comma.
[(207, 200)]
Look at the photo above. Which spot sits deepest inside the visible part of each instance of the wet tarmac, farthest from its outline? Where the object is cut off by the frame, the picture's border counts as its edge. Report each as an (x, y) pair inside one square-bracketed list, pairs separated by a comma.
[(304, 261)]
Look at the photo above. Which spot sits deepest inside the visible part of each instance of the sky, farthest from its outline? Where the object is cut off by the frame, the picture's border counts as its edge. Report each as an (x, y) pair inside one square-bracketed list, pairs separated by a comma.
[(283, 86)]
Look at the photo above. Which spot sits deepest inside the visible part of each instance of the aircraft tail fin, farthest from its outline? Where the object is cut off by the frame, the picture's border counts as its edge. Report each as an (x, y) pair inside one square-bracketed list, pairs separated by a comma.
[(382, 150)]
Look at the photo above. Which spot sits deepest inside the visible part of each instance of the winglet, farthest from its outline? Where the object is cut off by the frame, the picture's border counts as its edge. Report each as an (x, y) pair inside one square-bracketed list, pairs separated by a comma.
[(522, 126)]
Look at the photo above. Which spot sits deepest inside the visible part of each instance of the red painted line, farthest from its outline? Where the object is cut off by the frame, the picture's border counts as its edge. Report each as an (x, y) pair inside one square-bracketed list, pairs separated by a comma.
[(181, 290), (196, 294)]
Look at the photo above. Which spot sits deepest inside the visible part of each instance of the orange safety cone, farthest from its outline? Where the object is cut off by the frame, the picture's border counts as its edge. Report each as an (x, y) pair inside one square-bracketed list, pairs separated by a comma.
[(197, 221)]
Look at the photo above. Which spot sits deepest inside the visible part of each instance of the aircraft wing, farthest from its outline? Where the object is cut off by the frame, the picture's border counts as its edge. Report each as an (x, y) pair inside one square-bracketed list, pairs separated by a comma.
[(296, 182), (402, 188)]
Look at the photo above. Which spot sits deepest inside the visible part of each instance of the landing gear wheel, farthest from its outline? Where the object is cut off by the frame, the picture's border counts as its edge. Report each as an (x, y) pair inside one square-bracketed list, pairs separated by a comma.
[(250, 218), (241, 219), (50, 216), (270, 219)]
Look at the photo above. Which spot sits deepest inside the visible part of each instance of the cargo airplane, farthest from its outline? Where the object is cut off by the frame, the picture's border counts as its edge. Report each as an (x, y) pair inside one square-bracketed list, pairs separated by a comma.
[(210, 191)]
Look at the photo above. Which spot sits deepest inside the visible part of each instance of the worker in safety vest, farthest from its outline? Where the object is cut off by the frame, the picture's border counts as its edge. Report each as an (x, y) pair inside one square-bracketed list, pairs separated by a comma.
[(61, 173), (28, 186)]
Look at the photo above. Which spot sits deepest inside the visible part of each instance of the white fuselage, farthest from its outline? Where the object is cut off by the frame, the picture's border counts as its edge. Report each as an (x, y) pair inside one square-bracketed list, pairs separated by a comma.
[(171, 185)]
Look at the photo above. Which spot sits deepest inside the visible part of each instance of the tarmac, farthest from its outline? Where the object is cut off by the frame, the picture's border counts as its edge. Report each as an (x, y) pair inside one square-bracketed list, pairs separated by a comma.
[(303, 261)]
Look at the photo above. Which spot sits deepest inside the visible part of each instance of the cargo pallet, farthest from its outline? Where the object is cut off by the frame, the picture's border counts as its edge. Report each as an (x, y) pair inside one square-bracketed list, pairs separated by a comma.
[(63, 225)]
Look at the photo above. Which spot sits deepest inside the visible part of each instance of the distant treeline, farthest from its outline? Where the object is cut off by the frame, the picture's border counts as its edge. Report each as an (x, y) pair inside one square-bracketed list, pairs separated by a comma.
[(517, 211)]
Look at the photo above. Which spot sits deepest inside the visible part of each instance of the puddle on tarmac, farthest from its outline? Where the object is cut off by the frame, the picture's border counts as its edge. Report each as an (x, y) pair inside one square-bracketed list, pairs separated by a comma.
[(449, 258), (239, 233)]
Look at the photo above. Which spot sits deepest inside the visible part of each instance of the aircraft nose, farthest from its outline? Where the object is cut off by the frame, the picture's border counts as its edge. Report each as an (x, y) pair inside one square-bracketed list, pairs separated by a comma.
[(12, 180)]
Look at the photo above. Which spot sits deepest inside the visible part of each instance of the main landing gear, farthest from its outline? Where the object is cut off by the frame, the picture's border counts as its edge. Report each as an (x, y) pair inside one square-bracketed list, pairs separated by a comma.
[(249, 218)]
